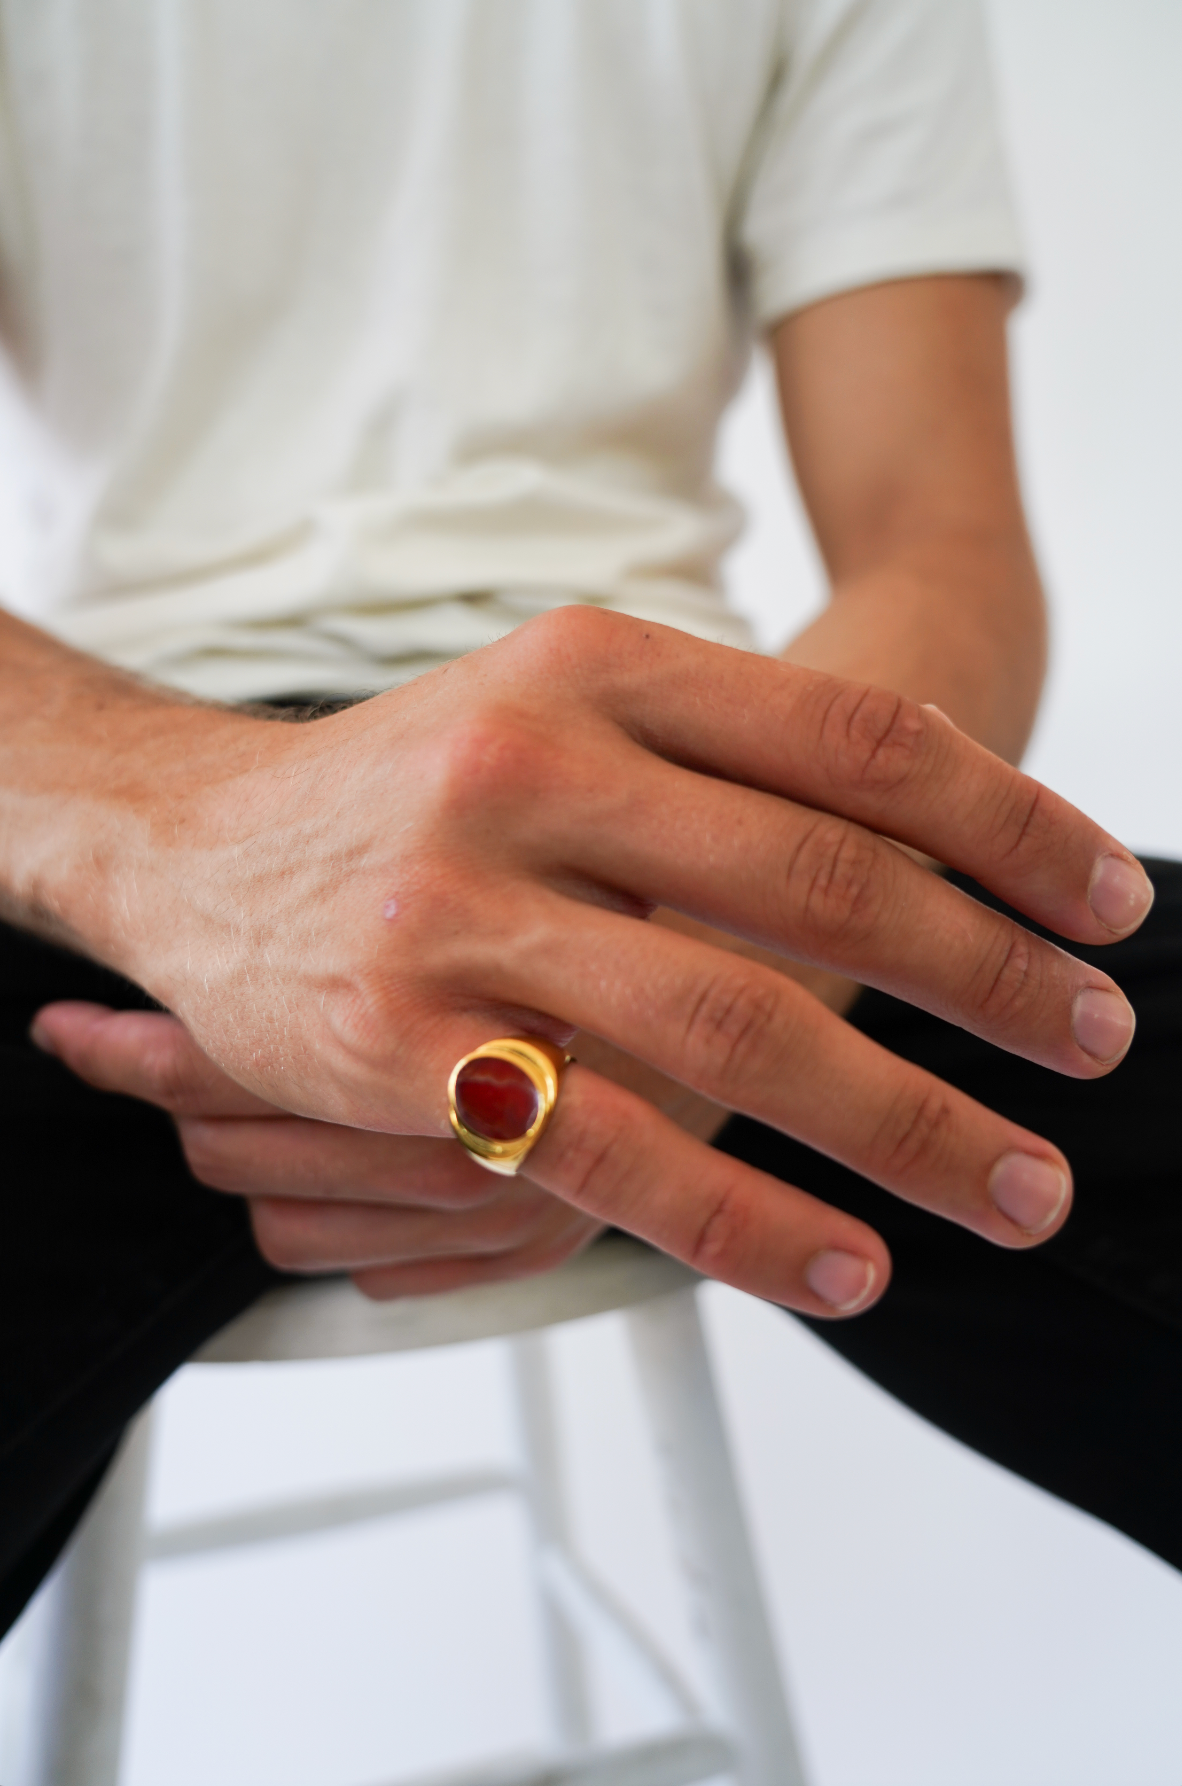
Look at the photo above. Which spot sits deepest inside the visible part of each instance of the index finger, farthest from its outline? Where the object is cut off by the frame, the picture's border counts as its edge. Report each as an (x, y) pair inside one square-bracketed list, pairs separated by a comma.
[(872, 756), (613, 1156)]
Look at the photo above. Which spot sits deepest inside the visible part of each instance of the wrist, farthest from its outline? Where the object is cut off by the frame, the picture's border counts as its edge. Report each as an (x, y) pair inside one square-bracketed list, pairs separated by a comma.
[(99, 776), (962, 632)]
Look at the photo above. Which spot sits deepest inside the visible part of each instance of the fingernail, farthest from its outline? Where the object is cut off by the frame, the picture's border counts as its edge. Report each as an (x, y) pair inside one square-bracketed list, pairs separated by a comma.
[(841, 1279), (1102, 1023), (1029, 1191), (41, 1038), (1120, 893)]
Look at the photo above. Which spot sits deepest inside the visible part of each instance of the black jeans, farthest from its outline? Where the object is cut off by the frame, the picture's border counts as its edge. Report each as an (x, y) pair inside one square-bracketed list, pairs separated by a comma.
[(1064, 1363)]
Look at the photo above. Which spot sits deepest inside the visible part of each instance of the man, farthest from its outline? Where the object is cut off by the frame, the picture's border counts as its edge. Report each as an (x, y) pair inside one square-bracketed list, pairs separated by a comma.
[(353, 339)]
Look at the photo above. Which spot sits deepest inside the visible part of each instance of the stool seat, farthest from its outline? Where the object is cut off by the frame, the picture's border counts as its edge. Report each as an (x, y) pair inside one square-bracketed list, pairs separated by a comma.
[(328, 1318)]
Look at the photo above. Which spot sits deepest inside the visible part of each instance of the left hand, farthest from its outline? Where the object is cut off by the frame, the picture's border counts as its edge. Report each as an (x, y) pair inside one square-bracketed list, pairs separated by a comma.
[(402, 1215)]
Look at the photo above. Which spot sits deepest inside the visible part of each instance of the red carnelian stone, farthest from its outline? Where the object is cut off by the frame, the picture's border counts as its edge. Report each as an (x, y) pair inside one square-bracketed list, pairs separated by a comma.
[(496, 1099)]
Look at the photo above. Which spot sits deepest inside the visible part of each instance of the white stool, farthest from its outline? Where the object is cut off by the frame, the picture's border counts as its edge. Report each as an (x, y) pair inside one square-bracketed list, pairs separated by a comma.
[(86, 1614)]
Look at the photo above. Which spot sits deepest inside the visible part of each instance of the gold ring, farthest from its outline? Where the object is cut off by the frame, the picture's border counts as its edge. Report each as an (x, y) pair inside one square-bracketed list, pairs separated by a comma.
[(498, 1111)]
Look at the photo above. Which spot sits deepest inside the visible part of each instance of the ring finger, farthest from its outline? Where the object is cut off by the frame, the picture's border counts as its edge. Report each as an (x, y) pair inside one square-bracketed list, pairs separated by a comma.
[(750, 1039)]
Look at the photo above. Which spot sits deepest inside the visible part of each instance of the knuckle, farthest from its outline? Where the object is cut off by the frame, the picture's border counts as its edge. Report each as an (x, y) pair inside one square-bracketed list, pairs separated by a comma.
[(719, 1237), (579, 653), (358, 1015), (915, 1135), (872, 740), (732, 1031), (835, 884), (370, 1014), (1019, 821), (571, 637), (204, 1156), (1010, 978), (279, 1234), (483, 760), (168, 1076), (593, 1165)]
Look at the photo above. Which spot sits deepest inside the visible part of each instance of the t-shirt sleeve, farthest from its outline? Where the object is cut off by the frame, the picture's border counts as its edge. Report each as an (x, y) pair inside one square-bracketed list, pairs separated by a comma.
[(877, 156)]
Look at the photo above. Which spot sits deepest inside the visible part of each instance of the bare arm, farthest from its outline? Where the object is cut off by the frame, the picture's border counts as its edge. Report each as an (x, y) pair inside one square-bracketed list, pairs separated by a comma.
[(525, 803), (896, 408)]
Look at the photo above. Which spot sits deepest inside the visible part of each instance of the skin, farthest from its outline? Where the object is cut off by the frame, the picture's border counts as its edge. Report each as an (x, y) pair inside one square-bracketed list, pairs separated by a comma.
[(896, 412), (335, 913)]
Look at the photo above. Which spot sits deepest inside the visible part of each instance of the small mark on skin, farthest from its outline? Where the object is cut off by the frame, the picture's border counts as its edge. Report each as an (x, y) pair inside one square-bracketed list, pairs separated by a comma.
[(390, 909)]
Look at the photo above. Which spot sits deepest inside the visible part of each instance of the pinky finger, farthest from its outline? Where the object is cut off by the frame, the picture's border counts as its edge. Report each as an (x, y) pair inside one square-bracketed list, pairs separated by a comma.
[(617, 1159)]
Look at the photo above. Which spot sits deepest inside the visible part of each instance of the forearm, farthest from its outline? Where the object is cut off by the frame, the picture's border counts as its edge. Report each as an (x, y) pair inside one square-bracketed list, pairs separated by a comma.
[(960, 624), (95, 767), (896, 404)]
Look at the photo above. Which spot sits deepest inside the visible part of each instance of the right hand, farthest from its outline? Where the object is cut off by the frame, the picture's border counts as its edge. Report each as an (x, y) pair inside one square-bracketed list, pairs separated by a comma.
[(337, 912)]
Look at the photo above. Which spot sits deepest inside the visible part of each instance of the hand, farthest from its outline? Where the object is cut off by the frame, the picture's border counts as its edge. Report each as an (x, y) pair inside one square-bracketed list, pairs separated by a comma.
[(337, 912), (403, 1215), (698, 1115)]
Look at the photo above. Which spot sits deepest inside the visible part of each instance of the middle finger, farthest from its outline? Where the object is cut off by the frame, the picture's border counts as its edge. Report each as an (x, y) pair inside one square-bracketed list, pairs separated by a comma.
[(824, 890)]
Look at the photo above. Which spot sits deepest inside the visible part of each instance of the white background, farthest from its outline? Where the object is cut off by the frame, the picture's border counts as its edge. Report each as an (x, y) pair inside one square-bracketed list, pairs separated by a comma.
[(941, 1624)]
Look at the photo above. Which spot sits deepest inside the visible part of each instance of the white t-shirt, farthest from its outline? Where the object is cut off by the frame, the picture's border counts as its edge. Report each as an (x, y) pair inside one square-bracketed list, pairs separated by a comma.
[(345, 336)]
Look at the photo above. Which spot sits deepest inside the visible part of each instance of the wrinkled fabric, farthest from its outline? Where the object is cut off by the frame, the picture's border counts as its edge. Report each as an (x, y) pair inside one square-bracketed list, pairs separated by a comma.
[(342, 339)]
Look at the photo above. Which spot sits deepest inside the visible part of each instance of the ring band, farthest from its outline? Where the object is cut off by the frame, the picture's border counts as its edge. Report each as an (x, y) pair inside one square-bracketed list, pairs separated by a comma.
[(499, 1111)]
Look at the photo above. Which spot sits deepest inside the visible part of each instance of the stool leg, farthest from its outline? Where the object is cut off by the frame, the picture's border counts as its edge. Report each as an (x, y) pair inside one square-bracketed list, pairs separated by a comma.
[(83, 1637), (546, 1500), (728, 1609)]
